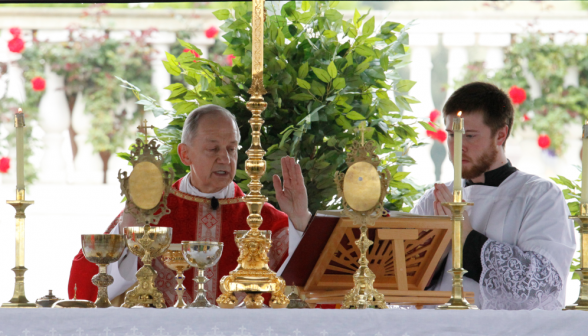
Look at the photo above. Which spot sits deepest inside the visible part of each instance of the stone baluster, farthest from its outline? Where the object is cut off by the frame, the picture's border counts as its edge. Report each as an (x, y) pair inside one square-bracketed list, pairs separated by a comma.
[(495, 44), (458, 56), (54, 119), (87, 163), (160, 78)]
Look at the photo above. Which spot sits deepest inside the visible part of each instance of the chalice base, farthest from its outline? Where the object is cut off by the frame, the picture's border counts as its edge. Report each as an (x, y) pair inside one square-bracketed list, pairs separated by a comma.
[(145, 293), (200, 302)]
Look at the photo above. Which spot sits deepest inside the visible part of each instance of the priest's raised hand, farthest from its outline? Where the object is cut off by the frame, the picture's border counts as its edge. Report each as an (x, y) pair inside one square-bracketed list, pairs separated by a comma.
[(291, 194)]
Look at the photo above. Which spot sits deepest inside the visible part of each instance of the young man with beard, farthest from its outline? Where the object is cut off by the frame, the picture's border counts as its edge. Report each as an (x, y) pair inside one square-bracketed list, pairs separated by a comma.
[(517, 239)]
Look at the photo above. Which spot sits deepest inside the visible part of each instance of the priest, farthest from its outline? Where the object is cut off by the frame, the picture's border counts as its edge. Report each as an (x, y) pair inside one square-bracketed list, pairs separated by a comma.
[(206, 206), (517, 239)]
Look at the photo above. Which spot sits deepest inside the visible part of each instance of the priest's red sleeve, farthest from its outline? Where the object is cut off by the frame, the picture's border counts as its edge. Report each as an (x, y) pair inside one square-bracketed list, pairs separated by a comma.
[(81, 275)]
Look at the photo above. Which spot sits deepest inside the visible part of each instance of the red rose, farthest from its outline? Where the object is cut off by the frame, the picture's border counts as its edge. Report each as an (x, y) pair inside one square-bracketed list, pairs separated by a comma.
[(544, 141), (434, 115), (431, 133), (230, 59), (192, 52), (15, 31), (211, 32), (517, 95), (38, 83), (526, 117), (441, 136), (16, 45), (4, 164)]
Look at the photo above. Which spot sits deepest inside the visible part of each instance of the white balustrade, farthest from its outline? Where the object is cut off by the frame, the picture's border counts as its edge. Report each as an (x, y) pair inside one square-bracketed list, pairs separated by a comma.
[(160, 78), (495, 44), (54, 119), (458, 56)]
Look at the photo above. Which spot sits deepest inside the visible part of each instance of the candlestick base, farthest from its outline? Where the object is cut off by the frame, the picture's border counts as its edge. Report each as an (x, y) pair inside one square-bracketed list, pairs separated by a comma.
[(19, 299), (457, 300), (582, 219)]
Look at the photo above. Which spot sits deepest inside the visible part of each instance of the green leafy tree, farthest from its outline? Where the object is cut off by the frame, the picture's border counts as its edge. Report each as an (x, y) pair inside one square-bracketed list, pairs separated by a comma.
[(323, 76)]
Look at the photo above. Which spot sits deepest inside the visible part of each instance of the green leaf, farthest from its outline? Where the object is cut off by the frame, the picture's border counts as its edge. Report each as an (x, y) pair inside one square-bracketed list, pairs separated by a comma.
[(384, 62), (321, 74), (303, 84), (281, 40), (427, 126), (333, 4), (303, 71), (368, 27), (405, 85), (172, 68), (305, 6), (339, 83), (332, 70), (565, 181), (318, 88), (329, 34), (301, 96), (363, 66), (354, 116), (190, 46), (400, 176), (222, 14), (333, 15), (356, 17), (366, 51)]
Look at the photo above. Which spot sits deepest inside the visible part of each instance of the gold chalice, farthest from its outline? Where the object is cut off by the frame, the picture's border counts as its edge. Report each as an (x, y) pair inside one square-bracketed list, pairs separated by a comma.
[(147, 243), (201, 254), (102, 249), (173, 258)]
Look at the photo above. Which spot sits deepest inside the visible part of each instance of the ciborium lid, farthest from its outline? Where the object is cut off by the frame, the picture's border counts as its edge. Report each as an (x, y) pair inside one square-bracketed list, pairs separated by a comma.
[(75, 303)]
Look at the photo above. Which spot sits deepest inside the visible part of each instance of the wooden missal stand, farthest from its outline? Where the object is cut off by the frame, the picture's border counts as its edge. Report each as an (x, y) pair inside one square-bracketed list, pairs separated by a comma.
[(407, 249)]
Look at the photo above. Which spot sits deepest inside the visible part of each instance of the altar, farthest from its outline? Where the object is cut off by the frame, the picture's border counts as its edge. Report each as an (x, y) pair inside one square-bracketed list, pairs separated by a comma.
[(285, 322)]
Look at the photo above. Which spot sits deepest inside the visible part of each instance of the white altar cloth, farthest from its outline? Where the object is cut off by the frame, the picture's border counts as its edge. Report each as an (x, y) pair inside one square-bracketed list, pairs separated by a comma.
[(291, 322)]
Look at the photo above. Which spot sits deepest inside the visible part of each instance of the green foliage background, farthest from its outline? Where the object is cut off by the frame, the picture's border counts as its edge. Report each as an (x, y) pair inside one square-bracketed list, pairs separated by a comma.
[(323, 76)]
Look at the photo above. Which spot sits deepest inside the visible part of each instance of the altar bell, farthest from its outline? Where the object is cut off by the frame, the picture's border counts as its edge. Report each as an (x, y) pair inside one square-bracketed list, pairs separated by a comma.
[(517, 239), (201, 210)]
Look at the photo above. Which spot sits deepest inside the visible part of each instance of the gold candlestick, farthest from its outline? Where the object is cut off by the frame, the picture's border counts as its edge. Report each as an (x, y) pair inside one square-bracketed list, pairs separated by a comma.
[(582, 302), (457, 300), (253, 274), (19, 299)]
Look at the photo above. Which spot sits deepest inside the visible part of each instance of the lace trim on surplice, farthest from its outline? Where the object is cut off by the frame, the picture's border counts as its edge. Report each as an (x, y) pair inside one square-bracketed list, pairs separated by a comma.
[(514, 279)]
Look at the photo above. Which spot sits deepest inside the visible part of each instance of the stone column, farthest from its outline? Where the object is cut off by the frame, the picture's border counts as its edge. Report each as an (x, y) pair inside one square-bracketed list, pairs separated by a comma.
[(160, 78), (457, 44), (54, 120)]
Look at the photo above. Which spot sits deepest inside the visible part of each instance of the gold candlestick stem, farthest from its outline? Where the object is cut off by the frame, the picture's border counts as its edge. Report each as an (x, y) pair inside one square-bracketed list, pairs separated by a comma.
[(582, 302), (19, 299), (457, 300)]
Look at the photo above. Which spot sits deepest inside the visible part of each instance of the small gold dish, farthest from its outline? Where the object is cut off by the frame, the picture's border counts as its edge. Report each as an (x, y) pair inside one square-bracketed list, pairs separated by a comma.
[(75, 303)]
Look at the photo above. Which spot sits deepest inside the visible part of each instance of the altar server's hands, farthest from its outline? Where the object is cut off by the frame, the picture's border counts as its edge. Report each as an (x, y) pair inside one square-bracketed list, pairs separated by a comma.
[(442, 194), (292, 195)]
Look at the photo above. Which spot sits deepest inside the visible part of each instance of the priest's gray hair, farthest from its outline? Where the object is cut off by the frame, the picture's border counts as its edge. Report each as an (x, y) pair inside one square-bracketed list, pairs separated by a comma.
[(193, 120)]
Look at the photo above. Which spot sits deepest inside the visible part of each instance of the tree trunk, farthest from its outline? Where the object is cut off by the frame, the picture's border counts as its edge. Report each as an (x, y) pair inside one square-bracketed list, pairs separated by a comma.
[(105, 155), (71, 101)]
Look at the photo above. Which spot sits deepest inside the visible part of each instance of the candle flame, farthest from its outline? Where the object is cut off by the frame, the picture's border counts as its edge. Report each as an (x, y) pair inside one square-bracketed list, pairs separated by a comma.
[(459, 114), (19, 110)]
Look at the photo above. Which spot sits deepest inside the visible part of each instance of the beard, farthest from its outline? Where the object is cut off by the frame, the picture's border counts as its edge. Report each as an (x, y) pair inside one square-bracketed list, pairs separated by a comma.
[(480, 165)]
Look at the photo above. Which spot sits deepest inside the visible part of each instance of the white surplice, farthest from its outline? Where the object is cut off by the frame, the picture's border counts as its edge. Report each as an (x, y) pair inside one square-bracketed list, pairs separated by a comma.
[(531, 242), (124, 270)]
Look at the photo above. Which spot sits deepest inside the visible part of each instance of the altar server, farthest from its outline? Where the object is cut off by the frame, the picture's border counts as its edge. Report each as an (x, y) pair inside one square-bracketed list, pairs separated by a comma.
[(202, 209), (517, 240)]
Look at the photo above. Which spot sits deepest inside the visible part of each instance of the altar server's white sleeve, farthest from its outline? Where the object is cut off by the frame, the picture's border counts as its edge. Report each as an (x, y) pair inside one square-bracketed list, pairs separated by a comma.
[(424, 206), (294, 238), (532, 274), (123, 271)]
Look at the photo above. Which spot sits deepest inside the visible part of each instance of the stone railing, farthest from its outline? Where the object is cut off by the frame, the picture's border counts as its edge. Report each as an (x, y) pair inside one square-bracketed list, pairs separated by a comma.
[(461, 33)]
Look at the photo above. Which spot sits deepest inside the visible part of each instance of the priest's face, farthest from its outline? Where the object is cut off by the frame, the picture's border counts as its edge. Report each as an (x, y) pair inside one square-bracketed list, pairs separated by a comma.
[(480, 150), (212, 155)]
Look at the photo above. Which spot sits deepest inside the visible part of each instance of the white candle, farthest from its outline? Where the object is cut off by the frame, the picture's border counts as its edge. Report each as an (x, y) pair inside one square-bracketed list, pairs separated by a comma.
[(19, 124), (584, 197), (457, 145)]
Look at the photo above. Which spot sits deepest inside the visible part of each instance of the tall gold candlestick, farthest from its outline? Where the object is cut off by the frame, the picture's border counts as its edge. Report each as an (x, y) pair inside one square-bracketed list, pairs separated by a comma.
[(582, 219), (19, 299), (457, 300), (253, 275)]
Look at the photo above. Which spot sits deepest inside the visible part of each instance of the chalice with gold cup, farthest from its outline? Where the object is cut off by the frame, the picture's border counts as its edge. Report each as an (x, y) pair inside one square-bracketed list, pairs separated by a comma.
[(173, 258), (102, 249), (147, 243), (201, 254)]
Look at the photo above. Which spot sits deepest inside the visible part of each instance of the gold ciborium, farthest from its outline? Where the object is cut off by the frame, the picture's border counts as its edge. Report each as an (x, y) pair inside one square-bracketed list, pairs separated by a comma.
[(147, 243), (202, 254), (103, 249), (173, 258)]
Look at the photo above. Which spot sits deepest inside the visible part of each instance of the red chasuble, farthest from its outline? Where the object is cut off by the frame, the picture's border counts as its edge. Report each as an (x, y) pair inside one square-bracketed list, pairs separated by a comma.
[(193, 220)]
